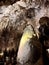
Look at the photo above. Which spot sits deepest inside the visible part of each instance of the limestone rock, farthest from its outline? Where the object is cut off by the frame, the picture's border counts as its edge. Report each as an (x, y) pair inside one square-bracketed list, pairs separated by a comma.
[(15, 16), (24, 51)]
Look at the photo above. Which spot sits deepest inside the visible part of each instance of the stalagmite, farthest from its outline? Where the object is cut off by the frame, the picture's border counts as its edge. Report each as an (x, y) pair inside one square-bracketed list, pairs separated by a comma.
[(24, 52)]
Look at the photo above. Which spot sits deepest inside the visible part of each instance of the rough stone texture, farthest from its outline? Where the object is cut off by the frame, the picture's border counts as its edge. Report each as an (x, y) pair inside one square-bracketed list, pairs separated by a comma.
[(7, 2), (14, 17), (15, 13)]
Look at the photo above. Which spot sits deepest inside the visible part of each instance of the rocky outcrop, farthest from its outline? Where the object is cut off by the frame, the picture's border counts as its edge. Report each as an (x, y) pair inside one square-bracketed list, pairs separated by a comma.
[(20, 11), (15, 16)]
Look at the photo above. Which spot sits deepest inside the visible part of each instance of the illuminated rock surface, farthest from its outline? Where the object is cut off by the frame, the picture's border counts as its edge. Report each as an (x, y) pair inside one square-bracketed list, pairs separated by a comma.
[(16, 15)]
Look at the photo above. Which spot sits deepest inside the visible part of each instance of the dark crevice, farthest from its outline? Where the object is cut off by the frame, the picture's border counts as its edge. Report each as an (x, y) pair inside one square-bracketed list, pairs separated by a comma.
[(43, 37), (7, 2)]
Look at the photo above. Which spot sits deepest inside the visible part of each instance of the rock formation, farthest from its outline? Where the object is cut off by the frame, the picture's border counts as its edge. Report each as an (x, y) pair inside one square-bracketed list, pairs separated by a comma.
[(16, 15)]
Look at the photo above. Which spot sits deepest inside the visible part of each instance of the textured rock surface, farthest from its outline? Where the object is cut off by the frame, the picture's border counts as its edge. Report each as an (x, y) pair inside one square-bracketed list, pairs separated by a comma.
[(15, 13), (15, 16)]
